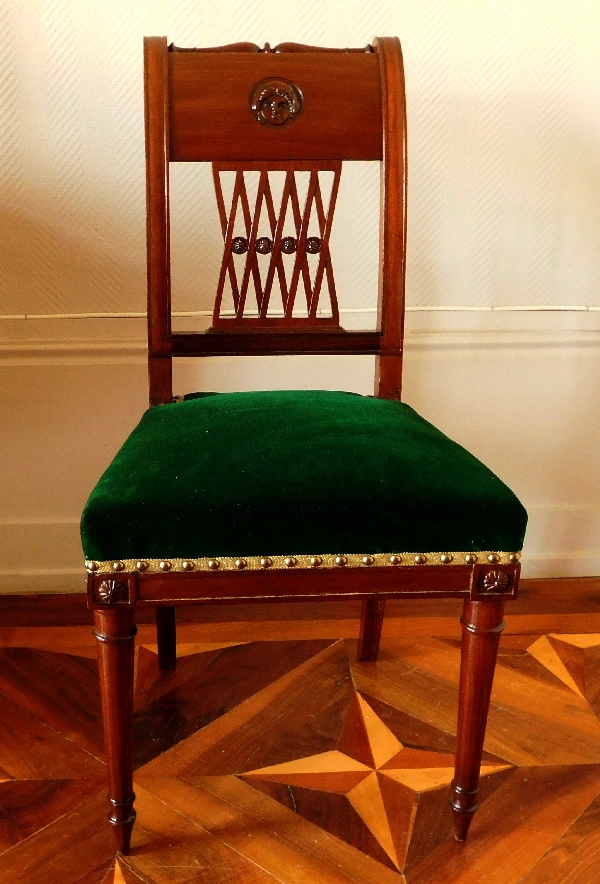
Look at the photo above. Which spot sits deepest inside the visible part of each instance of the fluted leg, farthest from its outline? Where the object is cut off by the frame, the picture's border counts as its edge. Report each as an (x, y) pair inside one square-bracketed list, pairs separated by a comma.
[(115, 631), (371, 623), (482, 624), (166, 636)]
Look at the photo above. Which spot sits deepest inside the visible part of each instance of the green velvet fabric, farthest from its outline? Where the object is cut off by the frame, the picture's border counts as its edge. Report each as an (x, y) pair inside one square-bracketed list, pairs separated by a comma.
[(294, 472)]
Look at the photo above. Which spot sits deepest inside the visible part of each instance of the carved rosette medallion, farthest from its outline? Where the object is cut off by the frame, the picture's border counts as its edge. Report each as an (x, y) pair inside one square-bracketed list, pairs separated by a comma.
[(112, 592), (275, 102), (494, 582)]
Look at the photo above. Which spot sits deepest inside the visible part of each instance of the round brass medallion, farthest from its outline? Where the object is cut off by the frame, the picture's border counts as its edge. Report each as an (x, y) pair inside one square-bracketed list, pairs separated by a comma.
[(275, 102)]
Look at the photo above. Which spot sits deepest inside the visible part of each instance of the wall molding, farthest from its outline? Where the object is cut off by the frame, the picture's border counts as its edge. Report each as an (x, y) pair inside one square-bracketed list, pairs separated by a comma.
[(82, 350), (201, 314), (122, 336), (45, 555)]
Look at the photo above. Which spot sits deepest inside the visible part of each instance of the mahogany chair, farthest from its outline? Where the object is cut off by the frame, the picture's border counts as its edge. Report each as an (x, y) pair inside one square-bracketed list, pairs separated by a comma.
[(240, 497)]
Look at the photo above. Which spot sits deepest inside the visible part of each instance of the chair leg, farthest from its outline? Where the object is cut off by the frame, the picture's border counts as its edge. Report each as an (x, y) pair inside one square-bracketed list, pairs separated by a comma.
[(166, 637), (115, 631), (371, 622), (482, 624)]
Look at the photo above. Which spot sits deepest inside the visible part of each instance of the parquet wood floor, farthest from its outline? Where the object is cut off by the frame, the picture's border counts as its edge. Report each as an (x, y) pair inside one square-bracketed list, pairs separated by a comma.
[(269, 756)]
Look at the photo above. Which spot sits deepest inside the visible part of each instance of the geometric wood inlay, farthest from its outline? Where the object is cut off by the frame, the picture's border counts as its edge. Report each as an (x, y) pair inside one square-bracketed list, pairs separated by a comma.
[(288, 761), (335, 771), (367, 801), (118, 878), (545, 654), (585, 640)]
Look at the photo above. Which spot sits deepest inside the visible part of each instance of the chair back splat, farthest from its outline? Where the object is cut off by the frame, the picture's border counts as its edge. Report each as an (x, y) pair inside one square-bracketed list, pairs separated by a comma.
[(290, 109), (287, 495)]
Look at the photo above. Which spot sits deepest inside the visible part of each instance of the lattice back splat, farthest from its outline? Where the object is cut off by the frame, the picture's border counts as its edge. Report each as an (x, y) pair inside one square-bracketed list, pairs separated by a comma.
[(300, 262)]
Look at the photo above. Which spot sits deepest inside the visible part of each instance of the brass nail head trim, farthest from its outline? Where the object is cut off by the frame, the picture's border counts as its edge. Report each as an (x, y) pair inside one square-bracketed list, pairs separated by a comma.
[(300, 562)]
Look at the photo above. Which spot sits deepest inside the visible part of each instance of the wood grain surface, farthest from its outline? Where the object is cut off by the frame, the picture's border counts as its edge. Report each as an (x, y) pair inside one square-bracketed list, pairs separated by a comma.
[(283, 759), (210, 116)]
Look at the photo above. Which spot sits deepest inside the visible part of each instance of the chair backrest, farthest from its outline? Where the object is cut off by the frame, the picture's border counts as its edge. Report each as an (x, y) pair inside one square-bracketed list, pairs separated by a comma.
[(291, 109)]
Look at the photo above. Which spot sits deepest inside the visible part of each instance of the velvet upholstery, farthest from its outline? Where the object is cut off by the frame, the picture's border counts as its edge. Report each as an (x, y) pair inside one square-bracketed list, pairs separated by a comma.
[(294, 472)]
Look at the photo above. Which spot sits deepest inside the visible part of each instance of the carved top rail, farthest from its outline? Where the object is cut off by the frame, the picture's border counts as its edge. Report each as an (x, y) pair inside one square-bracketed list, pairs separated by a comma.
[(281, 47), (213, 97)]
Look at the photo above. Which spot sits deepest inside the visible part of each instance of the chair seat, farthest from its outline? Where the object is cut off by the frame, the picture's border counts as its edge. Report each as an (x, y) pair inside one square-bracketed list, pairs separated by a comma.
[(294, 473)]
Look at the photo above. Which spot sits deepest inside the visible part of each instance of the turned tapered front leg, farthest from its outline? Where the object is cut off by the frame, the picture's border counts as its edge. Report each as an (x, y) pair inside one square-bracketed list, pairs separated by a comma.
[(371, 623), (482, 624), (115, 631), (166, 637)]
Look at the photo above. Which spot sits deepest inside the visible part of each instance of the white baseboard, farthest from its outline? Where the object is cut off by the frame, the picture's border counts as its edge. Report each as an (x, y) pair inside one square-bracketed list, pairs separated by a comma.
[(46, 557), (580, 563), (53, 582), (42, 557)]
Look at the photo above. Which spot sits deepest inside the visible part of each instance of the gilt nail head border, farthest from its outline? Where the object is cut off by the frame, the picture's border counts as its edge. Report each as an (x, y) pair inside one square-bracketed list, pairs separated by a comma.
[(300, 562)]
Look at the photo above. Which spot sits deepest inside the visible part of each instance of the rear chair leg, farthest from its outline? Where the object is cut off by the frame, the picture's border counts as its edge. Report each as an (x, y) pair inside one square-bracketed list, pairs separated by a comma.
[(482, 624), (115, 632), (166, 637), (371, 623)]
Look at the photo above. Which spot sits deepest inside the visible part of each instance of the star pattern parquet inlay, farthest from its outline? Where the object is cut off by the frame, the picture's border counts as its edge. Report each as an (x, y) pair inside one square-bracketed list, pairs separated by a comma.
[(288, 761), (365, 736)]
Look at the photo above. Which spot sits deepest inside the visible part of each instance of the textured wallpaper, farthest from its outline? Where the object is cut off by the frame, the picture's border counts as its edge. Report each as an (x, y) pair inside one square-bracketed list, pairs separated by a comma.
[(504, 151)]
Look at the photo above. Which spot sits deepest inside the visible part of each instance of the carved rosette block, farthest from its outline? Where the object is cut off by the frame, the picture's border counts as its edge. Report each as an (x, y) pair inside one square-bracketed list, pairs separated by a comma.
[(494, 582), (112, 592)]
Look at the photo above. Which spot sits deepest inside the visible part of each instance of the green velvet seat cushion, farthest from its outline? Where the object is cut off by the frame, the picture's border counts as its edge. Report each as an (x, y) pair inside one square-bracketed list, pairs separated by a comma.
[(294, 472)]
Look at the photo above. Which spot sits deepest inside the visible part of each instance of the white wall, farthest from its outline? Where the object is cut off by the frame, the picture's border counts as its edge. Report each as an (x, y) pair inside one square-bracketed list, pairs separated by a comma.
[(504, 249)]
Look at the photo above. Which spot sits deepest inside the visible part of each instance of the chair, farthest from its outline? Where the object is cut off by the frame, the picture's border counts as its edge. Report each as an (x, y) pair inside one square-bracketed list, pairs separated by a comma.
[(295, 495)]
